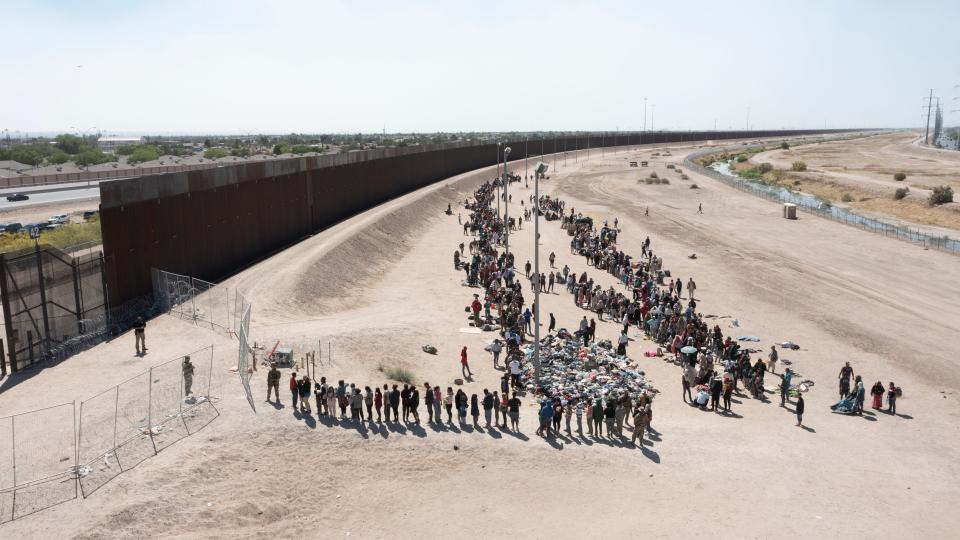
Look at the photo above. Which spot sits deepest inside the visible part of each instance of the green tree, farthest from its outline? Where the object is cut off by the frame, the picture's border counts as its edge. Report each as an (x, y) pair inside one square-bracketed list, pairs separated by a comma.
[(216, 153), (144, 152), (92, 156), (70, 144), (58, 157), (278, 149), (27, 155), (126, 149)]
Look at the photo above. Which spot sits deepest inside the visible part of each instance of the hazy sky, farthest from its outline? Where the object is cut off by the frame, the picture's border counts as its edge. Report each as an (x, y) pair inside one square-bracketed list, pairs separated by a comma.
[(317, 66)]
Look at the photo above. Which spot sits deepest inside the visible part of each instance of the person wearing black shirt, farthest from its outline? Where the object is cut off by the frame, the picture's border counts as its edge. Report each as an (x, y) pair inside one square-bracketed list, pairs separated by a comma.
[(428, 401), (487, 406), (800, 409), (513, 407), (140, 336), (395, 403), (415, 404)]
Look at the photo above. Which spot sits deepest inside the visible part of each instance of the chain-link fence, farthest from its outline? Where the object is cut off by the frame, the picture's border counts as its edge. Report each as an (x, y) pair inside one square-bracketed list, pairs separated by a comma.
[(206, 304), (819, 207), (37, 460), (132, 421)]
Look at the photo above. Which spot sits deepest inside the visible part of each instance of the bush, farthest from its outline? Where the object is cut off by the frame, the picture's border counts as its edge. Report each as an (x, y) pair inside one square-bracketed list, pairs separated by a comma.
[(399, 374), (941, 195), (741, 158), (664, 180), (694, 186), (92, 156), (798, 166), (900, 193), (670, 166), (684, 177), (216, 153), (653, 175), (900, 177), (143, 153), (764, 168), (847, 197), (784, 146), (58, 157)]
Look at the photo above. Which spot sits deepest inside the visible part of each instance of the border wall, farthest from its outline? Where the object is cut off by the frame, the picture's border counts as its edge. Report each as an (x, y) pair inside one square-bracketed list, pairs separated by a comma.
[(210, 223)]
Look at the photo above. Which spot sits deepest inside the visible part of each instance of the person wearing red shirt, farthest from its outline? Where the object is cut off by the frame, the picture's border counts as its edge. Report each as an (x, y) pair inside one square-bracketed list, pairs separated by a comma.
[(464, 366)]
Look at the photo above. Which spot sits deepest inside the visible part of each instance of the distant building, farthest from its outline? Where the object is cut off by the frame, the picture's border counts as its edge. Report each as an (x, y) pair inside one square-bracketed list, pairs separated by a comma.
[(109, 144)]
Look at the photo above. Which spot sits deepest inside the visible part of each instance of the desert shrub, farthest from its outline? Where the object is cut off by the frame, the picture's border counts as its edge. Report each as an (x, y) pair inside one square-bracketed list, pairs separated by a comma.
[(671, 166), (764, 168), (399, 374), (778, 174), (694, 186), (941, 195), (784, 145), (796, 182), (741, 158), (684, 177), (664, 180), (900, 177), (798, 166), (653, 175), (900, 193), (847, 197)]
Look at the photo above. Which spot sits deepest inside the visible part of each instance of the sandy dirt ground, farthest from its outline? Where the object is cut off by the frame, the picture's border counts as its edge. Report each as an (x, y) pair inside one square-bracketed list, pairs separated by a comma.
[(382, 284), (864, 168)]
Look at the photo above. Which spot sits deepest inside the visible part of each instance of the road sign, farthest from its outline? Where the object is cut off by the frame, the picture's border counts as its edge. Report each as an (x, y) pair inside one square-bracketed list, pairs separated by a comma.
[(34, 231)]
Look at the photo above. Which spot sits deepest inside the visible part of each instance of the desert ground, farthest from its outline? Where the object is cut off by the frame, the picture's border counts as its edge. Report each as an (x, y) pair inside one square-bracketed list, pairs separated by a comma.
[(864, 168), (382, 284)]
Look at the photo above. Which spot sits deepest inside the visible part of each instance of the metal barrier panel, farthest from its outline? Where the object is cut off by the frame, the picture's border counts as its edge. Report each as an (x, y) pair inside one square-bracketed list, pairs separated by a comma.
[(168, 384), (133, 422), (44, 455), (98, 440), (243, 359), (7, 464)]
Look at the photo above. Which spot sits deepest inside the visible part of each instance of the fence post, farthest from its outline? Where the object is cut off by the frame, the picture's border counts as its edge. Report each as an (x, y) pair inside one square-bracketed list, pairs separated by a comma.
[(45, 340), (210, 373), (7, 320), (76, 294), (76, 450), (150, 410), (116, 412)]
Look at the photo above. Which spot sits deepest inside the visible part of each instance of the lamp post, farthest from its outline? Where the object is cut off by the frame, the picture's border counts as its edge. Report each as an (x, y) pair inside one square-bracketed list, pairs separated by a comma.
[(526, 150), (536, 269), (497, 179), (506, 205)]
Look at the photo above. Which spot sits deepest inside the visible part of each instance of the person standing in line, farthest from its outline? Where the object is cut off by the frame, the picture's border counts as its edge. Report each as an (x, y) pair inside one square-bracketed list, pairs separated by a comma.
[(460, 402), (892, 399), (320, 392), (513, 406), (405, 402), (578, 410), (772, 358), (294, 389), (727, 392), (877, 393), (386, 403), (610, 415), (356, 406), (428, 401), (487, 407), (415, 404), (686, 388), (273, 381), (448, 404), (859, 393), (598, 417), (495, 404), (785, 387), (395, 403), (800, 410), (378, 403), (304, 389), (332, 401), (140, 336), (515, 372), (368, 401), (546, 416), (567, 415), (437, 405), (475, 410), (589, 413), (464, 365)]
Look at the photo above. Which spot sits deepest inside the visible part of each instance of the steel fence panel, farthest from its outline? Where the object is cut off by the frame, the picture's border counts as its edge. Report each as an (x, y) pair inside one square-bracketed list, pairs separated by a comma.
[(98, 440), (166, 402), (133, 421)]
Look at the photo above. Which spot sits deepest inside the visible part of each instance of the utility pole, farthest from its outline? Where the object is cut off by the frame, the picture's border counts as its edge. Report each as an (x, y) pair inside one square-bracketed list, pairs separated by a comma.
[(526, 150), (644, 114), (537, 281), (926, 134), (506, 205)]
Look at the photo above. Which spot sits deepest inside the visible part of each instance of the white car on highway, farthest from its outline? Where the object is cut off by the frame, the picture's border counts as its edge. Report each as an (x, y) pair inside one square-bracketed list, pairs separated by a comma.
[(60, 218)]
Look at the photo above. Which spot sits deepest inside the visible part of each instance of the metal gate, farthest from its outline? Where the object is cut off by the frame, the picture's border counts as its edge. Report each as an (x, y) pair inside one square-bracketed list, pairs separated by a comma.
[(52, 302)]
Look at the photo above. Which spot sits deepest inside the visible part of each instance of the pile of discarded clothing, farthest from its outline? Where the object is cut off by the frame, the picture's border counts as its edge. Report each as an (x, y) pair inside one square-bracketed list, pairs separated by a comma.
[(570, 370)]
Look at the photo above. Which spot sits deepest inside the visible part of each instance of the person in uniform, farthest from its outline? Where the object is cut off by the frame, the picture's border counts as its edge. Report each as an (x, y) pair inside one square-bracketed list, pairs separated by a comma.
[(187, 376), (140, 335), (273, 381)]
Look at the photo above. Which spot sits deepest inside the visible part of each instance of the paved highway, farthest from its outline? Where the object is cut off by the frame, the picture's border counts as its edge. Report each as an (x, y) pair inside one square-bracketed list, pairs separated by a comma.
[(51, 197)]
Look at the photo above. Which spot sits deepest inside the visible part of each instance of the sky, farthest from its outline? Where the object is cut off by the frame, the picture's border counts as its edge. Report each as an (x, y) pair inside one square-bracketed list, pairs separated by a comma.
[(242, 66)]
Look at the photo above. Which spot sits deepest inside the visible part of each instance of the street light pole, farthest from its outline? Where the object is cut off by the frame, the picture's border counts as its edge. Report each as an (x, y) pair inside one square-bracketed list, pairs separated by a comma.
[(497, 179), (536, 269), (526, 150), (506, 204)]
